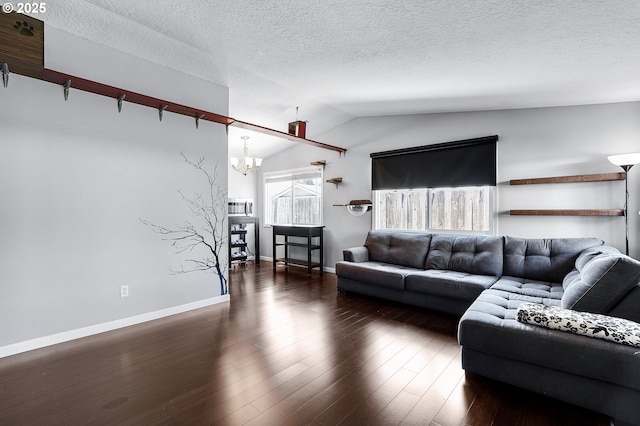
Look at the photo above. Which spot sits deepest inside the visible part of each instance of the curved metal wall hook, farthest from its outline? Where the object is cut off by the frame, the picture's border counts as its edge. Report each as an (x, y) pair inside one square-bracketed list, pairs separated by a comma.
[(161, 110), (5, 74), (120, 99), (67, 85), (198, 117)]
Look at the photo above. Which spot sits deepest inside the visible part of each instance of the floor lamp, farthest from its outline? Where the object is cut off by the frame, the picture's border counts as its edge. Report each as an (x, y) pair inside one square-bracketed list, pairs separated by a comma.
[(626, 161)]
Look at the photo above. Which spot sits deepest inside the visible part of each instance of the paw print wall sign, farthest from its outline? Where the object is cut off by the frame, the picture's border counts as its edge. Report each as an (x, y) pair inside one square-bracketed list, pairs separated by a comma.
[(21, 44), (24, 28)]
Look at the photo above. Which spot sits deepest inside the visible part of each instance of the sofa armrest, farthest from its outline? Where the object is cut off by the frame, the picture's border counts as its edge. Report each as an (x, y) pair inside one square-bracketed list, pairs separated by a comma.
[(356, 254)]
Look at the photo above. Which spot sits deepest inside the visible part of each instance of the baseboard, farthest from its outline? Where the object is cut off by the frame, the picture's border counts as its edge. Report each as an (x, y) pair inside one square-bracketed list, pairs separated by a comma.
[(54, 339)]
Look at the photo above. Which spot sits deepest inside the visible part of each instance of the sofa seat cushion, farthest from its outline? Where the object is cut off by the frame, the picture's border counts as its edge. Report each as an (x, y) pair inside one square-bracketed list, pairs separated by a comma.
[(543, 259), (480, 255), (517, 285), (496, 306), (450, 284), (374, 273), (490, 326), (399, 248)]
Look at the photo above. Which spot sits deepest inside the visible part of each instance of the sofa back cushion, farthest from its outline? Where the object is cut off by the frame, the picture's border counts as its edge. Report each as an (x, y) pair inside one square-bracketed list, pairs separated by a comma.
[(481, 255), (400, 248), (543, 259), (604, 282)]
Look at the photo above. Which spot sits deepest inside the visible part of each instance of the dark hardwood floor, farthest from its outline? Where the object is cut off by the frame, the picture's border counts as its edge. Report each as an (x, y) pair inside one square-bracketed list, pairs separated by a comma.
[(287, 350)]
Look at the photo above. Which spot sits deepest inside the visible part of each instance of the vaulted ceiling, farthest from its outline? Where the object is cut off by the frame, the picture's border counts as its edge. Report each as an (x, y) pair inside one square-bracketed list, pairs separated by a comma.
[(339, 59)]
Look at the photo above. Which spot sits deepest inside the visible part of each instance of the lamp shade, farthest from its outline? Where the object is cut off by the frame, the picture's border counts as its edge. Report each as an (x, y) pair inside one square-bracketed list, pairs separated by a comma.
[(625, 159)]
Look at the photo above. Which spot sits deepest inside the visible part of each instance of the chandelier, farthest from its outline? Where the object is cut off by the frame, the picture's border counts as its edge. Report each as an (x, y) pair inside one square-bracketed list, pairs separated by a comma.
[(246, 164)]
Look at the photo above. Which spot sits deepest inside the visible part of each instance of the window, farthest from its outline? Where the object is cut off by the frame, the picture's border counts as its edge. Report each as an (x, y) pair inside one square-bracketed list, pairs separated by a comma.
[(293, 197), (466, 209), (452, 186)]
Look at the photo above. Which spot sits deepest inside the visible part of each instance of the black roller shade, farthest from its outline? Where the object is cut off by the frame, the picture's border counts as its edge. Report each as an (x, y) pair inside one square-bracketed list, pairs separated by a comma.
[(469, 162)]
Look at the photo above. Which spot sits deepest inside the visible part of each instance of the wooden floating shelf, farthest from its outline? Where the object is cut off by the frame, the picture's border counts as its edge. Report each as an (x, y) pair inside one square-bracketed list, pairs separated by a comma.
[(335, 180), (580, 212), (600, 177)]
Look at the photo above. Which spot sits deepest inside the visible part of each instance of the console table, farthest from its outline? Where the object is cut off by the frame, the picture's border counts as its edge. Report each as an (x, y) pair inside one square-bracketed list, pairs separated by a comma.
[(243, 220), (309, 233)]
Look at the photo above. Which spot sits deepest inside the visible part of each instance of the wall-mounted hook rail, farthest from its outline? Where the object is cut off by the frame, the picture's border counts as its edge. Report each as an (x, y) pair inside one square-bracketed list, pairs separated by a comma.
[(140, 99)]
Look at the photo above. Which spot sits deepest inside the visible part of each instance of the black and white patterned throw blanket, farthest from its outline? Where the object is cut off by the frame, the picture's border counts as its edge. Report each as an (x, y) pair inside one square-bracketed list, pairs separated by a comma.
[(614, 329)]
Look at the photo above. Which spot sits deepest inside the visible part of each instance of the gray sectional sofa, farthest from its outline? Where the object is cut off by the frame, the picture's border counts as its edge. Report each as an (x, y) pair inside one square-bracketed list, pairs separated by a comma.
[(495, 283)]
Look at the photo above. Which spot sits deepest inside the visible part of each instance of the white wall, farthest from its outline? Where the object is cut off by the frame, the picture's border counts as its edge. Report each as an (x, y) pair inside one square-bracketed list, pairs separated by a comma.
[(76, 176), (533, 143), (241, 186)]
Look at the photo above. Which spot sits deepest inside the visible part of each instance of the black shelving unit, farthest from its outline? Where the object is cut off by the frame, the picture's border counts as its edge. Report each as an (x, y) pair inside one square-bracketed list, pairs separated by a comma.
[(238, 239), (238, 244), (313, 242)]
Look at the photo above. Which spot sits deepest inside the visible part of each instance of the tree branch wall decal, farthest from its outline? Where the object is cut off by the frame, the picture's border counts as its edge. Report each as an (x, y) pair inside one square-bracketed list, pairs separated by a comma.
[(205, 231)]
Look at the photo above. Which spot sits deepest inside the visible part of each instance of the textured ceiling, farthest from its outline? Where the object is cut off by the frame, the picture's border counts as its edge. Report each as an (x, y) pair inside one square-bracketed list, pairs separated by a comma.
[(338, 59)]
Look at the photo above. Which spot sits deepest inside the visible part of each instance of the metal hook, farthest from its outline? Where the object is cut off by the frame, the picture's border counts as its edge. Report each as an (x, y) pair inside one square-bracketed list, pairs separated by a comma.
[(67, 85), (161, 110), (198, 117), (120, 99), (5, 74)]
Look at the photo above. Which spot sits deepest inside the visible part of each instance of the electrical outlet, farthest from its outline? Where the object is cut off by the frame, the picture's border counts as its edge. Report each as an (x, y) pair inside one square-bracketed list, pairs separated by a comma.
[(124, 291)]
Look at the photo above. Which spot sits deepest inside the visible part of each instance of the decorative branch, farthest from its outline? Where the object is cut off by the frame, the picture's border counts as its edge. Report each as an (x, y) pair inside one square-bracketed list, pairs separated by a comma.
[(206, 231)]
